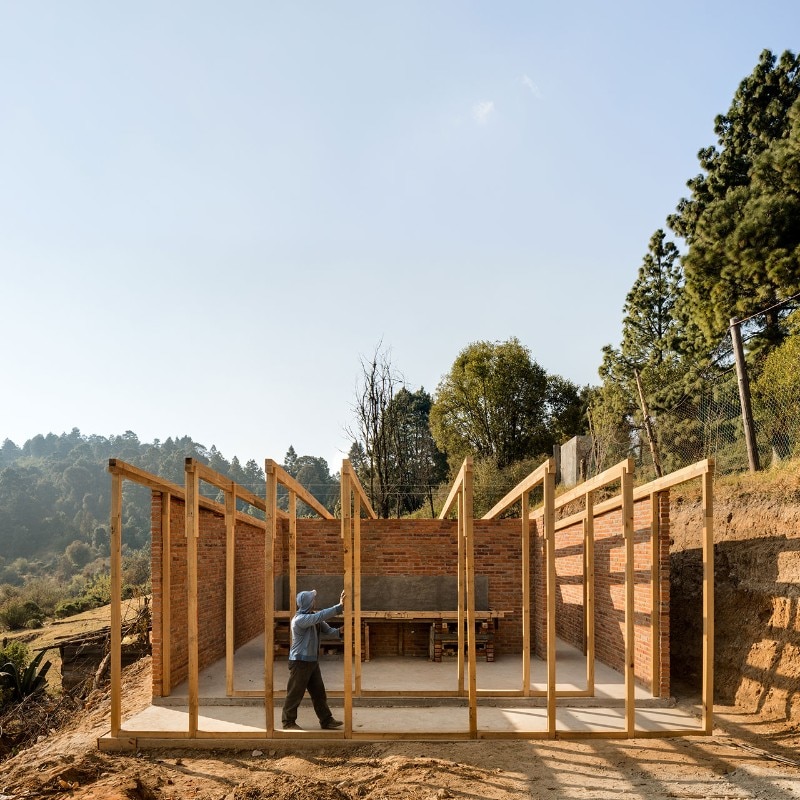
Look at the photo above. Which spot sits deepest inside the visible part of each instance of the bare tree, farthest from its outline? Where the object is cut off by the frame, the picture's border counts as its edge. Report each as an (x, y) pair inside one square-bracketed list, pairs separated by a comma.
[(374, 430)]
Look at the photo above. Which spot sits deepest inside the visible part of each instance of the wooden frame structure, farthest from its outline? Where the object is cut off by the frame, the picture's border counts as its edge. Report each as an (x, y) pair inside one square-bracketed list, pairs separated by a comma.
[(623, 472), (460, 500)]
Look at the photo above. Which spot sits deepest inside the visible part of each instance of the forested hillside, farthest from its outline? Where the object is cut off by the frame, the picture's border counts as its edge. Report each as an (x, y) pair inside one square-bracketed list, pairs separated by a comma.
[(54, 497)]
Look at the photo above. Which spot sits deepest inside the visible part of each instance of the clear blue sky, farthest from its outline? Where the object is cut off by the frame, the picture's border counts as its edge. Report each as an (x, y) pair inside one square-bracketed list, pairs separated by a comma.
[(209, 212)]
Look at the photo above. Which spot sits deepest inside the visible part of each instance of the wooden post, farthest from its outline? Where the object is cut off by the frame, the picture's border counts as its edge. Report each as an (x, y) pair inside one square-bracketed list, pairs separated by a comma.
[(655, 595), (708, 599), (461, 591), (630, 642), (357, 590), (166, 594), (526, 595), (347, 551), (744, 396), (230, 578), (549, 521), (292, 556), (270, 535), (470, 583), (648, 427), (192, 535), (116, 603), (588, 532)]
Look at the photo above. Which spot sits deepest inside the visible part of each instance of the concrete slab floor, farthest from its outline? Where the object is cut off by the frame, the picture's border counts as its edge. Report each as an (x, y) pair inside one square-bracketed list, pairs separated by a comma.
[(411, 674), (413, 717)]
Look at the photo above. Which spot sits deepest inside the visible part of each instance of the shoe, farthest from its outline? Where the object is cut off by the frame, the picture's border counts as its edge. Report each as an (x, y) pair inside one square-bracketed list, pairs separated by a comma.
[(331, 724), (292, 726)]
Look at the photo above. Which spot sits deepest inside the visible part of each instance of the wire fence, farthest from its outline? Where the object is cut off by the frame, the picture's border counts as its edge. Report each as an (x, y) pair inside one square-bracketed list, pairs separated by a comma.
[(710, 424)]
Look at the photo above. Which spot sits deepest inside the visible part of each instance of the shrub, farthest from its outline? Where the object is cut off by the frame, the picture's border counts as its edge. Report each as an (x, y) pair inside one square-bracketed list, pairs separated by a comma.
[(19, 683), (68, 608), (13, 615)]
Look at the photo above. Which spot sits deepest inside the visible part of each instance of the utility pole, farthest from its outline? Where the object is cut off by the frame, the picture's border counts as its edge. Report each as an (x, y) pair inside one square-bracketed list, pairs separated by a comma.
[(744, 396), (648, 427)]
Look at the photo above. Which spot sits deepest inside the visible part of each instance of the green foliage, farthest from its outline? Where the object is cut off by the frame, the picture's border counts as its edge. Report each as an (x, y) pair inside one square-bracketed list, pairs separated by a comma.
[(13, 615), (776, 397), (18, 683), (493, 404), (742, 220)]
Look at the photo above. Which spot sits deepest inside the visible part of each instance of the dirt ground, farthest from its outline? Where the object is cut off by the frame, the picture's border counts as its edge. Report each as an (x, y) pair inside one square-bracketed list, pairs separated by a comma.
[(747, 757)]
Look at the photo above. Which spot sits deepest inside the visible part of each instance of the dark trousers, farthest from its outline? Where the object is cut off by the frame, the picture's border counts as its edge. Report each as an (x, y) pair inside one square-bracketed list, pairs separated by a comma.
[(305, 675)]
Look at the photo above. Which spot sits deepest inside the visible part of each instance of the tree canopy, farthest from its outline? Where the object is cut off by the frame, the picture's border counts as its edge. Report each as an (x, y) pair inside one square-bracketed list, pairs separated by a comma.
[(741, 222), (497, 402)]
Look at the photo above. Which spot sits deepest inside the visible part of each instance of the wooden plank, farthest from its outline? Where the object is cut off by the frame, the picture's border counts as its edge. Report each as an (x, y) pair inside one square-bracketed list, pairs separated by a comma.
[(661, 484), (347, 552), (129, 472), (116, 604), (357, 489), (357, 592), (655, 596), (284, 478), (461, 600), (269, 593), (526, 595), (455, 491), (708, 599), (426, 615), (609, 476), (470, 585), (192, 535), (292, 557), (222, 482), (166, 595), (630, 642), (230, 578), (522, 488), (590, 599), (549, 487)]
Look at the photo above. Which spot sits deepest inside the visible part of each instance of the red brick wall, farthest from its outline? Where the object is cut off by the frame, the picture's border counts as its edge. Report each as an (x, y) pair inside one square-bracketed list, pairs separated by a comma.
[(248, 596), (417, 548), (609, 590)]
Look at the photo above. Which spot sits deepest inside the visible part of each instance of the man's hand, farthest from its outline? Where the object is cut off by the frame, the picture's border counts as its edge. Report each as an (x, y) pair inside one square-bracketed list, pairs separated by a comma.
[(341, 597)]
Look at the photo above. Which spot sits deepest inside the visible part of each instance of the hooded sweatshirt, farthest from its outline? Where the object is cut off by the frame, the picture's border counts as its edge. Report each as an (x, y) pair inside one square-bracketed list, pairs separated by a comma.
[(307, 626)]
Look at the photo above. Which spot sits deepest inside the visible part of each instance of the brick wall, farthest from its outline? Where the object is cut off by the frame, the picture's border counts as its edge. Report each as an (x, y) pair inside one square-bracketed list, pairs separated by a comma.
[(248, 598), (413, 548), (609, 591)]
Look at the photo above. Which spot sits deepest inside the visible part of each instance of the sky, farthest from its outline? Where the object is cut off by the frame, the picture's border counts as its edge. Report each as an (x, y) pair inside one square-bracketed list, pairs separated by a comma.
[(211, 213)]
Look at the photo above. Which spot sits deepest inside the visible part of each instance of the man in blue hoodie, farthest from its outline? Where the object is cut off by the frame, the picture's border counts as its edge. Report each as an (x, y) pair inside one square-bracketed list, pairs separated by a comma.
[(304, 672)]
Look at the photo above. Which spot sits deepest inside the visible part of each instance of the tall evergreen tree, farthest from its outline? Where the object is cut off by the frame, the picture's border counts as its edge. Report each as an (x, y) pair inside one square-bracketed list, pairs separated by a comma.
[(739, 227)]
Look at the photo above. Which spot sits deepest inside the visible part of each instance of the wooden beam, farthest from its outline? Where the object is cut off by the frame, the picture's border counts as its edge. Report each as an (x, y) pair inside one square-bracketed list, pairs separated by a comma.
[(230, 579), (708, 599), (285, 479), (118, 467), (630, 642), (357, 591), (269, 593), (116, 604), (225, 484), (655, 596), (192, 535), (590, 627), (166, 595), (455, 490), (470, 581), (550, 567), (526, 596), (522, 488), (292, 557), (357, 489), (347, 552), (461, 600)]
